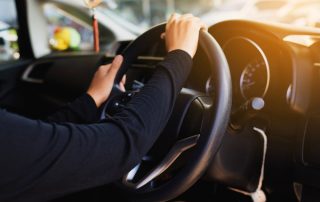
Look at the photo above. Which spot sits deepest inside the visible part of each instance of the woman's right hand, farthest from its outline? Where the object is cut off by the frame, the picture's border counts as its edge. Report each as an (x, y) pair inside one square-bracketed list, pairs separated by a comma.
[(182, 32)]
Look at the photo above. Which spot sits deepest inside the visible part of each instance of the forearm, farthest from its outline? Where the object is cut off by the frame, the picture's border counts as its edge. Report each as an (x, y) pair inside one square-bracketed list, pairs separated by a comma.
[(43, 160), (83, 110), (150, 110)]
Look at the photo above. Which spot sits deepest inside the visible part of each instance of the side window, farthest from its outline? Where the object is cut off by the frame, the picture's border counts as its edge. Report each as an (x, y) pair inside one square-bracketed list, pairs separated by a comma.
[(65, 32), (9, 49)]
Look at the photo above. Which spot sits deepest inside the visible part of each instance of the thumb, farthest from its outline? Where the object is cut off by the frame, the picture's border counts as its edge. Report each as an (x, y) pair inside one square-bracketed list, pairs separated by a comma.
[(115, 65), (163, 35), (203, 27)]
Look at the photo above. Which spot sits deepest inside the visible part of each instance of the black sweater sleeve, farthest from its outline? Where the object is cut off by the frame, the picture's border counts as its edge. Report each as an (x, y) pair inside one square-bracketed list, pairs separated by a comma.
[(83, 110), (41, 161)]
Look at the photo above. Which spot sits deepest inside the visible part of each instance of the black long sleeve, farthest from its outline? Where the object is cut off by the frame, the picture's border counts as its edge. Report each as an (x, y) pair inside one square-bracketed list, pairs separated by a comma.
[(83, 110), (41, 161)]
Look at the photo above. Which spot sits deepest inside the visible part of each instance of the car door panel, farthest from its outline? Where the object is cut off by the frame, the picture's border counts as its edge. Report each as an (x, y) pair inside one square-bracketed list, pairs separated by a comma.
[(51, 82)]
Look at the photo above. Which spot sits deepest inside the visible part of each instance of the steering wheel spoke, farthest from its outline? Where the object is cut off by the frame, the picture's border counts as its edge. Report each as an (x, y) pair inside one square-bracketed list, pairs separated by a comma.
[(176, 151)]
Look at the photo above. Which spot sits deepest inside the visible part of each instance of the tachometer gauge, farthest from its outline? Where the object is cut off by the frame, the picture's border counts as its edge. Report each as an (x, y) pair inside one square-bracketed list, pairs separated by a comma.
[(254, 80)]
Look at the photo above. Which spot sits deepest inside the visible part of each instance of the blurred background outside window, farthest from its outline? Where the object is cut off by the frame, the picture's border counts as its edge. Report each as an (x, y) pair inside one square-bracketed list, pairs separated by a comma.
[(119, 19), (9, 49)]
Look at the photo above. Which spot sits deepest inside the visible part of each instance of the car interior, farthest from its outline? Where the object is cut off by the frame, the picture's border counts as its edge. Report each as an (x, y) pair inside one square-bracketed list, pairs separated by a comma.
[(244, 127)]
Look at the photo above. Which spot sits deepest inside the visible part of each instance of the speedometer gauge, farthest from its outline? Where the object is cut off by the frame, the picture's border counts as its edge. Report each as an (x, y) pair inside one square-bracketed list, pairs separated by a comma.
[(254, 80), (249, 66)]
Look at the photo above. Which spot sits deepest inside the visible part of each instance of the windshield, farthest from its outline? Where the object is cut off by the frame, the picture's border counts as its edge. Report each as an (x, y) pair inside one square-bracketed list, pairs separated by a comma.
[(124, 20), (147, 13)]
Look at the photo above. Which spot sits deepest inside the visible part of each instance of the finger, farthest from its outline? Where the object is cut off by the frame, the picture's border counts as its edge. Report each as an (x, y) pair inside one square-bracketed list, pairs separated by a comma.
[(170, 20), (124, 79), (103, 69), (163, 35), (200, 23), (115, 66), (203, 26), (123, 83), (186, 16), (122, 88), (191, 18), (173, 17)]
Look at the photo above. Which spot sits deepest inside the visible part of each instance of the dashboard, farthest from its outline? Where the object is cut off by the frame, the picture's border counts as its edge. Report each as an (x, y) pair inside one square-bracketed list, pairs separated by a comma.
[(260, 66), (279, 65), (274, 64), (264, 63)]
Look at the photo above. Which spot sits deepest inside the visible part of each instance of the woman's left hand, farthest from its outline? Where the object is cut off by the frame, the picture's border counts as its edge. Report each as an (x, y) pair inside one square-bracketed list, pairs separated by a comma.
[(102, 82)]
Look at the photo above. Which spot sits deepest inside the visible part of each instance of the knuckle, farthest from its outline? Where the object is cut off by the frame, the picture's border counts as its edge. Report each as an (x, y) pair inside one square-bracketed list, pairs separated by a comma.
[(101, 68), (174, 20), (190, 22), (195, 18)]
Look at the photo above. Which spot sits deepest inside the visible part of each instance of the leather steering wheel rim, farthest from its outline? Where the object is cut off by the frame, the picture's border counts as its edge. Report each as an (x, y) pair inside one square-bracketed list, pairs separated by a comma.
[(217, 117)]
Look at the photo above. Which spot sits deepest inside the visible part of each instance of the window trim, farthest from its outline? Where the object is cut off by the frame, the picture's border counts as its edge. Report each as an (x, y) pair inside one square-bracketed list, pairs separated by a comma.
[(24, 42)]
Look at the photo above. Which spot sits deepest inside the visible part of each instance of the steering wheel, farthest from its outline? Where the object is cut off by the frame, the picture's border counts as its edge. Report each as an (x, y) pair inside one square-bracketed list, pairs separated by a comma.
[(215, 117)]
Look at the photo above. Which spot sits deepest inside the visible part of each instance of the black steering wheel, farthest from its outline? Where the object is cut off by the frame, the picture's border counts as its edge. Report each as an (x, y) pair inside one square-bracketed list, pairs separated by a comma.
[(215, 117)]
